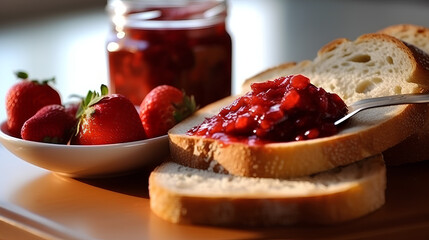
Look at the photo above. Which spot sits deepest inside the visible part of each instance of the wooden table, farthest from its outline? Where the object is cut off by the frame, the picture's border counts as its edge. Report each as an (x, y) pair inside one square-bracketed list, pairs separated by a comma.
[(37, 204)]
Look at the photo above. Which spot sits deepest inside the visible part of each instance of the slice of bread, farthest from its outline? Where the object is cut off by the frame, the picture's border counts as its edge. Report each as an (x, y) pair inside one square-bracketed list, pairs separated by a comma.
[(371, 66), (181, 194), (413, 34), (414, 148)]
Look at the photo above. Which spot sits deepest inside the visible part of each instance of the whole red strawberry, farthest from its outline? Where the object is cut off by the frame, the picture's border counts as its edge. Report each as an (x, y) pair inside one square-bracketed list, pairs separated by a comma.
[(164, 107), (51, 124), (25, 98), (106, 119)]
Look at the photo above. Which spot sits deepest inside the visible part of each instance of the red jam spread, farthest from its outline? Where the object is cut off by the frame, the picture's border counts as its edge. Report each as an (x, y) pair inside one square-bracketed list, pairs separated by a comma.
[(285, 109)]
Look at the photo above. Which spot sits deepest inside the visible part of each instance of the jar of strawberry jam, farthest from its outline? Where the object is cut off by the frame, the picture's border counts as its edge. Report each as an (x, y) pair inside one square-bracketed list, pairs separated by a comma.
[(183, 43)]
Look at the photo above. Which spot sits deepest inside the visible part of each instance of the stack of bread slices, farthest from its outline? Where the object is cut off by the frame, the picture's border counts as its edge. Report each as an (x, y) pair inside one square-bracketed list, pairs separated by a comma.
[(320, 181)]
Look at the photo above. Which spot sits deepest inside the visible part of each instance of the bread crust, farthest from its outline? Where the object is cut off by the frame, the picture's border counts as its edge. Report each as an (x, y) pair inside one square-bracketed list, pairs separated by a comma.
[(357, 199), (403, 31), (332, 45)]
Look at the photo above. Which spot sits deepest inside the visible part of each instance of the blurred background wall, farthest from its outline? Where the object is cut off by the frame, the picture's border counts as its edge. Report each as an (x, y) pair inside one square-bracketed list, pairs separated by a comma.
[(22, 10), (65, 38)]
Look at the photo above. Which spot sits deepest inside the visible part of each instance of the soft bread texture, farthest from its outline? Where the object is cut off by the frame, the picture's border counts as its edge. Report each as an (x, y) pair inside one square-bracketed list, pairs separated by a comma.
[(414, 148), (181, 194), (373, 65)]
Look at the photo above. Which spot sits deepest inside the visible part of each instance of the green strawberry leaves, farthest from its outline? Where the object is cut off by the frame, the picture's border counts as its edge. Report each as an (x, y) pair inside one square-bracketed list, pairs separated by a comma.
[(184, 109), (21, 75), (92, 98), (24, 76)]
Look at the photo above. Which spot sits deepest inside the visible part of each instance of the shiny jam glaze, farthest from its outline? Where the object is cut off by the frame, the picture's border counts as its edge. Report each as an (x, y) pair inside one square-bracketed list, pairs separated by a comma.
[(285, 109), (174, 47)]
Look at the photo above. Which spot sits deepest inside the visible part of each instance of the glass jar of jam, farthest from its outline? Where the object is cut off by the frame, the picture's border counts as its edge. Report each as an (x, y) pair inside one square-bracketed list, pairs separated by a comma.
[(183, 43)]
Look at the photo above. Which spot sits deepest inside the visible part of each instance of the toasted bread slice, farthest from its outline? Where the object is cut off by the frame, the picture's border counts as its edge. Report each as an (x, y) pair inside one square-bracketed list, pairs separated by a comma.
[(181, 194), (414, 148), (373, 65)]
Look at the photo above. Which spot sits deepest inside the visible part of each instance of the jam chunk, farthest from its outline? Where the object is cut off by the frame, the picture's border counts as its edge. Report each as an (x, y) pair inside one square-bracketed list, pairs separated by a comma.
[(282, 110)]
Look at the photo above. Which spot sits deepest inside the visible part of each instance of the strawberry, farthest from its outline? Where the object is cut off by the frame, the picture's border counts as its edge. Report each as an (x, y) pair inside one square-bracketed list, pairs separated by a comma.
[(106, 119), (25, 98), (51, 124), (164, 107)]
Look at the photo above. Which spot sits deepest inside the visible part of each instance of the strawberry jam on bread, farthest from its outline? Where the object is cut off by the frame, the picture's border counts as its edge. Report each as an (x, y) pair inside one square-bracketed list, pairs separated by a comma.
[(285, 109)]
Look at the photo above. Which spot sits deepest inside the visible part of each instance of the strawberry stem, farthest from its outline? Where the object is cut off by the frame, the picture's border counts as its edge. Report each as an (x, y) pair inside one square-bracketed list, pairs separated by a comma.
[(24, 76), (92, 97), (184, 109), (104, 90), (46, 81), (75, 96), (21, 75)]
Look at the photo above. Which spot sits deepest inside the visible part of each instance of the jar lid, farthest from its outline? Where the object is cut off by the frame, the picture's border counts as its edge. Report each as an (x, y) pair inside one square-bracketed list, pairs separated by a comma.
[(168, 14)]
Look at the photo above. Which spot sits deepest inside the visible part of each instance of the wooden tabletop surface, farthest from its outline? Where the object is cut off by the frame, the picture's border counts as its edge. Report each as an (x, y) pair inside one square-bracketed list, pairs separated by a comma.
[(35, 202)]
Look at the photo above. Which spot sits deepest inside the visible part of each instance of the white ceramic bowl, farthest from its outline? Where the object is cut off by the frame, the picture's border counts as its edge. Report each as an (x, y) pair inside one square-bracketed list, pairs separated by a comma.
[(88, 161)]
